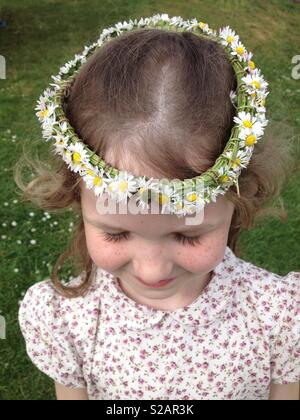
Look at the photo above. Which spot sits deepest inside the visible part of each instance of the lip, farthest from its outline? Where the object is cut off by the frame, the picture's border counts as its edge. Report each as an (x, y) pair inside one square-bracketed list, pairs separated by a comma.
[(157, 285)]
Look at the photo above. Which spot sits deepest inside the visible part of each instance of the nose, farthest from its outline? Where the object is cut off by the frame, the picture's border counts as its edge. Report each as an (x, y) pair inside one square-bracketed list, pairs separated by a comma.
[(151, 264)]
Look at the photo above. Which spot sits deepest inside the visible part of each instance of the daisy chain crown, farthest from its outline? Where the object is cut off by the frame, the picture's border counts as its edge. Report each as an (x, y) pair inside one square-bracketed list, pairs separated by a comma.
[(175, 196)]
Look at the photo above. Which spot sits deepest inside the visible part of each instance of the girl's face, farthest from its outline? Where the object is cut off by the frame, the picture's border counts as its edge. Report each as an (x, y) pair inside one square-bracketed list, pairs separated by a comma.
[(152, 247)]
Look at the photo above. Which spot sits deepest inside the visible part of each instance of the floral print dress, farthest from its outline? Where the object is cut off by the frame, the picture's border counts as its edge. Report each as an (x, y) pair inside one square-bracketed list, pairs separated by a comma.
[(238, 336)]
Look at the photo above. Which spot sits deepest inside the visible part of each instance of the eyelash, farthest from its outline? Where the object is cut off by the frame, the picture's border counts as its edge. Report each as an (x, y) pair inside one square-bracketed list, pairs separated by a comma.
[(184, 240)]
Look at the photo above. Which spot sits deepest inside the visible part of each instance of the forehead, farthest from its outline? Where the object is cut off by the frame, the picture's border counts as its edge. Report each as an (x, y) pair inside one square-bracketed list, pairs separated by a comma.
[(214, 214)]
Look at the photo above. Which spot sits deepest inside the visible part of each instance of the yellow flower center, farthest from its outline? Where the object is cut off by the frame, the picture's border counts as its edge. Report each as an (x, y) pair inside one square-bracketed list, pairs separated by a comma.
[(191, 197), (240, 50), (263, 101), (76, 157), (123, 186), (230, 39), (202, 25), (163, 199), (90, 172), (251, 64), (224, 178), (257, 84), (237, 162), (98, 181), (44, 114), (250, 140), (247, 124)]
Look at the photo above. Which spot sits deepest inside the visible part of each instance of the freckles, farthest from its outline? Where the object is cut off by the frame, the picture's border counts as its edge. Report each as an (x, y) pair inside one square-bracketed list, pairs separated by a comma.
[(110, 257), (203, 257)]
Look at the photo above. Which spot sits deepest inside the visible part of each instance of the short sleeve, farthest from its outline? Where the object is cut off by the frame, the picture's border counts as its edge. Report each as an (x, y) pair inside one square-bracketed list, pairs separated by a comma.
[(285, 358), (48, 338)]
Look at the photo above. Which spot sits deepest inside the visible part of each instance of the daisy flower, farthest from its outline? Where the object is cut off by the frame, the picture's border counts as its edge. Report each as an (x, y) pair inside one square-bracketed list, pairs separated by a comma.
[(67, 156), (66, 68), (94, 179), (61, 143), (258, 101), (255, 82), (164, 197), (239, 50), (213, 193), (123, 187), (176, 20), (144, 190), (249, 138), (204, 27), (240, 161), (63, 126), (225, 175), (248, 141), (228, 36), (48, 127), (248, 123), (193, 201), (45, 111), (250, 135), (250, 63), (79, 156)]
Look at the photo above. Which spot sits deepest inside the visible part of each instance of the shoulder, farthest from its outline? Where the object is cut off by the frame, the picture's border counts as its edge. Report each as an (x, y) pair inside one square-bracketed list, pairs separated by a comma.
[(270, 295), (59, 332), (44, 305)]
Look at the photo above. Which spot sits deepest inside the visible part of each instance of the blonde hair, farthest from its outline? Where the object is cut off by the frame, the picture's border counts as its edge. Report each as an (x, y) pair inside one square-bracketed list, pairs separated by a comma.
[(171, 90)]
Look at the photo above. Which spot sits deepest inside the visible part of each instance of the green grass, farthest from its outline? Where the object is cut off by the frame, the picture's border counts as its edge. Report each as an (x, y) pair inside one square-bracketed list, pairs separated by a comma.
[(42, 36)]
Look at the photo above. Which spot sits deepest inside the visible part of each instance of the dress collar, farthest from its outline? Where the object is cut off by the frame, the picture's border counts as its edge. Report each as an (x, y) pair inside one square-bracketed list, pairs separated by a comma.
[(118, 308)]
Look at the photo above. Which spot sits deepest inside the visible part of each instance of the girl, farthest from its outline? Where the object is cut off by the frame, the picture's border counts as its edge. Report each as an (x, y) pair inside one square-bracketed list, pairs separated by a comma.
[(162, 310)]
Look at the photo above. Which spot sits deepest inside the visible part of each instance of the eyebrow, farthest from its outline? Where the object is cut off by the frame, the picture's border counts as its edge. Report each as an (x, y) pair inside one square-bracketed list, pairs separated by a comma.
[(186, 229)]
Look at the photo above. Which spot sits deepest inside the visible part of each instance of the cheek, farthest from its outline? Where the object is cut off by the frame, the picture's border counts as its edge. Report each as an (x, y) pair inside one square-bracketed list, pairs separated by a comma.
[(106, 255), (205, 256)]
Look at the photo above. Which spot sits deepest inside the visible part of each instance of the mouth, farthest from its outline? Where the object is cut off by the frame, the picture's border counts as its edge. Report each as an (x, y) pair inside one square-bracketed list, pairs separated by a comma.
[(161, 283)]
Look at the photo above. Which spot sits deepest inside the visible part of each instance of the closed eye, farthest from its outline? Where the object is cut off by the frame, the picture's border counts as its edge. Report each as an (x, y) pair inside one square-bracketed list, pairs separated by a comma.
[(185, 240)]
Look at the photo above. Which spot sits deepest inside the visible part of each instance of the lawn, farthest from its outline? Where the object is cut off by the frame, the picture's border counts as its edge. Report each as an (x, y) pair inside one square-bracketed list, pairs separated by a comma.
[(39, 37)]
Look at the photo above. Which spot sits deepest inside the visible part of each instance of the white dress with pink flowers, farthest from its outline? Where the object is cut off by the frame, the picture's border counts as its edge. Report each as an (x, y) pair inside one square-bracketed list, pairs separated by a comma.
[(238, 336)]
